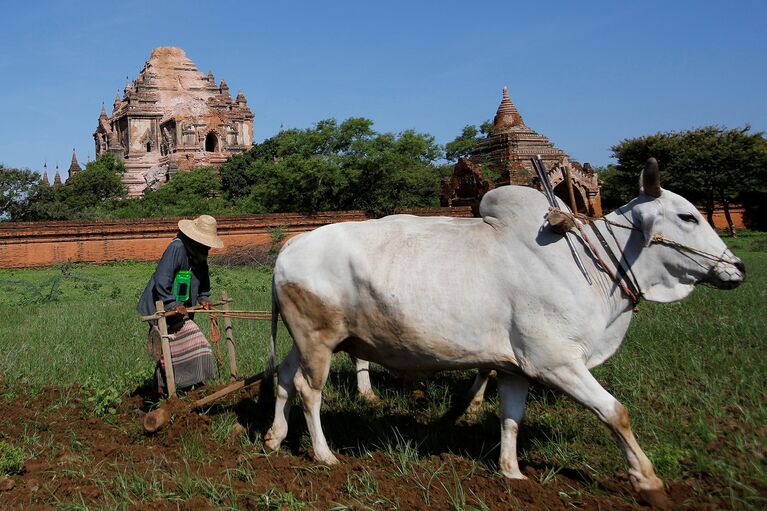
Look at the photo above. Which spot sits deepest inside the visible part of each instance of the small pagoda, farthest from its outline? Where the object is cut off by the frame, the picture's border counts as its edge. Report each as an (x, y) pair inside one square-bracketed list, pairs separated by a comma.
[(74, 166), (504, 157)]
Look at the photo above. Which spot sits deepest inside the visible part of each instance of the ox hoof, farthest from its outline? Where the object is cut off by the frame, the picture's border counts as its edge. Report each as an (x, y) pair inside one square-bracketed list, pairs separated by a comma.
[(370, 398), (471, 414), (514, 474), (327, 459), (657, 499), (474, 407), (272, 444)]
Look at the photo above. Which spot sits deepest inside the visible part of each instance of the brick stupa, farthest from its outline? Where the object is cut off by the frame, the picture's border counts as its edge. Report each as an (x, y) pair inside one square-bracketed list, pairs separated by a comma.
[(503, 158)]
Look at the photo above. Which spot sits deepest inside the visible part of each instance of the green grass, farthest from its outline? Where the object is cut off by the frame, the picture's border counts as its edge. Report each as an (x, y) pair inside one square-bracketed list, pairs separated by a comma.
[(692, 375), (68, 325), (12, 458)]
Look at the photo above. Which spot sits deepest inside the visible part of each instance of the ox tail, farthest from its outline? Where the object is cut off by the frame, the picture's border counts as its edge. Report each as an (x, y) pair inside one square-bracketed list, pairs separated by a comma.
[(270, 366), (266, 393)]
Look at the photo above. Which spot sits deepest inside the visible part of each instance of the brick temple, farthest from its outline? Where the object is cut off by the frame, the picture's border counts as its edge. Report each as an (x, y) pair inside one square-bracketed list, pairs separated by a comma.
[(171, 118), (503, 158)]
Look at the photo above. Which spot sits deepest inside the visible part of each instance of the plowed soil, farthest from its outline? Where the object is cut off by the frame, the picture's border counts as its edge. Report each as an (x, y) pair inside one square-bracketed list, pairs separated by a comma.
[(80, 461)]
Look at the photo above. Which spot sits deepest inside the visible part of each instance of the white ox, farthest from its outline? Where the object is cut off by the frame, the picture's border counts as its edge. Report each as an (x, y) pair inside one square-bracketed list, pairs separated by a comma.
[(383, 290)]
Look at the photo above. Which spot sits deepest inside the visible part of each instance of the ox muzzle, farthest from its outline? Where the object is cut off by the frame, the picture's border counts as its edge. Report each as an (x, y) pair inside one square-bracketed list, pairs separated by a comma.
[(728, 272)]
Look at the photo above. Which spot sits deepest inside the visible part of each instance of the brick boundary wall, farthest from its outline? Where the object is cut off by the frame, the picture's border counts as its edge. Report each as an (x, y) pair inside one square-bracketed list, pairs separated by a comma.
[(720, 221), (34, 244)]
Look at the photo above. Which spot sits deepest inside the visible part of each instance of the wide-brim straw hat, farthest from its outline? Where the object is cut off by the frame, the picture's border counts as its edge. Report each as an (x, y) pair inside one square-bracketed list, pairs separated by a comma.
[(202, 230)]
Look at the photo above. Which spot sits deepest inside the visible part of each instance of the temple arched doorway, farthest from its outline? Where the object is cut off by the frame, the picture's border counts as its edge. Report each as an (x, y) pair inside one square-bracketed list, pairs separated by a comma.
[(561, 191), (211, 143)]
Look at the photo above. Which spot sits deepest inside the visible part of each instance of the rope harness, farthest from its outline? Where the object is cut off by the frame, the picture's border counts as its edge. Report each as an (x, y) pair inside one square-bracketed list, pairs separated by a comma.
[(622, 276), (215, 329)]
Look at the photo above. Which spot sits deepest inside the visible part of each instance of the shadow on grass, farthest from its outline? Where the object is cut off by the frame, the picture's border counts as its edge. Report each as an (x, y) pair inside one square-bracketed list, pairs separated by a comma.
[(361, 428)]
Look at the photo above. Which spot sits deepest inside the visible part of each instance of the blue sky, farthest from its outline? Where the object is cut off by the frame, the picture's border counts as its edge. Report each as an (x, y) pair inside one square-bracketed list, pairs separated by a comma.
[(587, 74)]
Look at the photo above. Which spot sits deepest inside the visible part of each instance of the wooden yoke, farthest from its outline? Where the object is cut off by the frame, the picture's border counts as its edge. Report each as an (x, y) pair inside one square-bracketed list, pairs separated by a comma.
[(229, 337), (170, 378)]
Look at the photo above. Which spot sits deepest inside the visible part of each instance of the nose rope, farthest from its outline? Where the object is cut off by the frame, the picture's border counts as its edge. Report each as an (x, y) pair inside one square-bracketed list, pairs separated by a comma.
[(659, 238)]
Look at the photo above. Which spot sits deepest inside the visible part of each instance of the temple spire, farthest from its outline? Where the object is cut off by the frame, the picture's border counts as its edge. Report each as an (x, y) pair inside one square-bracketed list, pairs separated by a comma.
[(45, 175), (103, 110), (74, 167), (57, 177), (507, 115)]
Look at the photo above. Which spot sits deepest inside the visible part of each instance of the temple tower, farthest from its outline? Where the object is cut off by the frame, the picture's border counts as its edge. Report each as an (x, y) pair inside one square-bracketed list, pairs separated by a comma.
[(74, 166), (44, 179), (170, 118), (503, 158)]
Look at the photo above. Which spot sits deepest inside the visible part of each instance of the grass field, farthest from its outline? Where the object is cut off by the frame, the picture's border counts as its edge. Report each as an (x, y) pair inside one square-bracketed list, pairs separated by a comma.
[(693, 375)]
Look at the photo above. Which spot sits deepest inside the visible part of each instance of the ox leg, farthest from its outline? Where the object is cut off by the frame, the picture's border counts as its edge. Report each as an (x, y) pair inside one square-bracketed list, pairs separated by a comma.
[(285, 392), (477, 391), (512, 391), (578, 382), (364, 388), (309, 380)]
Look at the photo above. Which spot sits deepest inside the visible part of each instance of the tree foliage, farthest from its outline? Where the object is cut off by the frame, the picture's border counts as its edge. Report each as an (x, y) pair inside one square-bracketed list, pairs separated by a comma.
[(190, 193), (335, 166), (16, 186), (462, 145), (82, 197), (710, 166)]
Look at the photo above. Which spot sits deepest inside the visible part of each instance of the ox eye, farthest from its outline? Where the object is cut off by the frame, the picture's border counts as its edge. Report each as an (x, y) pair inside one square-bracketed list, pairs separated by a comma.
[(688, 218)]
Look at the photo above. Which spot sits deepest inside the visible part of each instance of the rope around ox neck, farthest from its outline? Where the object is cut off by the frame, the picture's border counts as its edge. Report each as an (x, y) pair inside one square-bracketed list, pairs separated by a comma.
[(580, 220)]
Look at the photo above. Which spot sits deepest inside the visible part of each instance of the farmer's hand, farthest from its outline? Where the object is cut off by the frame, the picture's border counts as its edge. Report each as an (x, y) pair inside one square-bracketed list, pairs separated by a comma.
[(205, 304), (181, 309)]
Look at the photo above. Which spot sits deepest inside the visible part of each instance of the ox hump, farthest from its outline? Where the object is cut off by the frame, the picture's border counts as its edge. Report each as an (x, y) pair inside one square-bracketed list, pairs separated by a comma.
[(510, 205)]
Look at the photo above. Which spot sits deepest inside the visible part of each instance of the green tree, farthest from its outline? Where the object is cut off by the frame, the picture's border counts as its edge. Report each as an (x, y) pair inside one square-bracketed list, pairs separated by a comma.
[(101, 180), (335, 166), (462, 145), (190, 193), (711, 165), (613, 192), (16, 188), (84, 196)]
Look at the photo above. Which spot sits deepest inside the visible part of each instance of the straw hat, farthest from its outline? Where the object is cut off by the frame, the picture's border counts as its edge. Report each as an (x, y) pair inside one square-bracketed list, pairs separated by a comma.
[(202, 230)]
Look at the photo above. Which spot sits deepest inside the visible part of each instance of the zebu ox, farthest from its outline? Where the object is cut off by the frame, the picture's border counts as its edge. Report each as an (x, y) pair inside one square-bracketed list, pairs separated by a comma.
[(381, 290)]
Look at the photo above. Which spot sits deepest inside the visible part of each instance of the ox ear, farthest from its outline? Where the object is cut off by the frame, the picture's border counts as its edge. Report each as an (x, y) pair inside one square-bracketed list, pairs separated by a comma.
[(650, 178), (650, 220)]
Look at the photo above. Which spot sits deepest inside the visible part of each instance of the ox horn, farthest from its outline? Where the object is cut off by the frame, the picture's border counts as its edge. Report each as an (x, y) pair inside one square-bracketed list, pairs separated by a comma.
[(651, 178)]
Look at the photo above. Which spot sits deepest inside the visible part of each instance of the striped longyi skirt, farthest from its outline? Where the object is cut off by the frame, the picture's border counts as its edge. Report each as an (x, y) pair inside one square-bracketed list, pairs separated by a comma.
[(192, 356)]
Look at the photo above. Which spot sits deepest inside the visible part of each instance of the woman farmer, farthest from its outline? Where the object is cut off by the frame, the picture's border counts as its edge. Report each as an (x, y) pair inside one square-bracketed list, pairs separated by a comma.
[(188, 252)]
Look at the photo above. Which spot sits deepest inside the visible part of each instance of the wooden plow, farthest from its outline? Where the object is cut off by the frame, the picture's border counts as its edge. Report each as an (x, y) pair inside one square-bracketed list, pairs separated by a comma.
[(159, 417)]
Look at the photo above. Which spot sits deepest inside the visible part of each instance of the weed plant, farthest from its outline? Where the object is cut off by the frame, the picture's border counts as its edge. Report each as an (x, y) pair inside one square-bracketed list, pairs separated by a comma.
[(12, 458)]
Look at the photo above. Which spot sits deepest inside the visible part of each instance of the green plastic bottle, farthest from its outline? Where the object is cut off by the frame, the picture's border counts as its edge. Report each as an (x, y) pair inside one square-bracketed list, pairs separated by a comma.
[(181, 284)]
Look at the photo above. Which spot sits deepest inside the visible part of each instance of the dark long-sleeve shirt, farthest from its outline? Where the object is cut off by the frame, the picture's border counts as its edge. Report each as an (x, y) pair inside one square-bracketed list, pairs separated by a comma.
[(160, 286)]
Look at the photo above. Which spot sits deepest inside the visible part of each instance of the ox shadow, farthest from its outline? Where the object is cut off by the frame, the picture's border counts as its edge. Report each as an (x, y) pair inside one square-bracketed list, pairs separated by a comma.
[(433, 425)]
